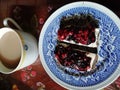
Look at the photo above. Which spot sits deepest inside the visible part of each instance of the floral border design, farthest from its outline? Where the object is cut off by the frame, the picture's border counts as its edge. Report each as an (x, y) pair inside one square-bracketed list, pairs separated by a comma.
[(108, 48)]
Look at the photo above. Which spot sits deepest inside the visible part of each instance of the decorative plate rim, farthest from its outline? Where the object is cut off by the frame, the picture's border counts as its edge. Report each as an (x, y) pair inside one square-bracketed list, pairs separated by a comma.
[(56, 13)]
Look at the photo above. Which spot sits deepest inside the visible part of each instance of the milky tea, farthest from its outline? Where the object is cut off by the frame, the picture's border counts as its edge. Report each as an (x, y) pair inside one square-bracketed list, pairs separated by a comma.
[(10, 49), (18, 49)]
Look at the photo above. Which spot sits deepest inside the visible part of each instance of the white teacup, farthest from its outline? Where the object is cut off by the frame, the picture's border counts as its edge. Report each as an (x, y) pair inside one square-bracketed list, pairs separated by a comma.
[(18, 49)]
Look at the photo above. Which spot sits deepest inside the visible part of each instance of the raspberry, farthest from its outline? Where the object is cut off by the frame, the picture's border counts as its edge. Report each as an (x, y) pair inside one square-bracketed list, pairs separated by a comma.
[(62, 34)]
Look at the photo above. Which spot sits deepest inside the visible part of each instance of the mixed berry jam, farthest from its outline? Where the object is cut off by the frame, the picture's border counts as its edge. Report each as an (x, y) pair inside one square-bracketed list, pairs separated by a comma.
[(69, 57), (79, 29), (85, 37)]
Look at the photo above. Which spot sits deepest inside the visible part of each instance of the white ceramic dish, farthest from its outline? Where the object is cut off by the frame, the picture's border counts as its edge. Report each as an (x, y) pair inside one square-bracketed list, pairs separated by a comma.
[(109, 25)]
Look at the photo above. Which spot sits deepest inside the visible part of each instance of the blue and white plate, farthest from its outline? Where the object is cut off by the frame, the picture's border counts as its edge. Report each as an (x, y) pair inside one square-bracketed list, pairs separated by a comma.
[(109, 48)]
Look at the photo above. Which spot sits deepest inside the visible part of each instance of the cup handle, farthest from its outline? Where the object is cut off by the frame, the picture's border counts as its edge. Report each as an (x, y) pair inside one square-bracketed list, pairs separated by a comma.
[(5, 23)]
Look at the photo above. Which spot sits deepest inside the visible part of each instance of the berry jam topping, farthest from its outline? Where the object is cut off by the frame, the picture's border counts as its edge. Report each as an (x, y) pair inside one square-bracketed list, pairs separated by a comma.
[(81, 29), (69, 57), (78, 28)]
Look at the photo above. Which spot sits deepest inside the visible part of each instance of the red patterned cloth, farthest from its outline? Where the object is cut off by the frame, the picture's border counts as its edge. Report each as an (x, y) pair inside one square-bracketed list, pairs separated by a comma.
[(34, 77)]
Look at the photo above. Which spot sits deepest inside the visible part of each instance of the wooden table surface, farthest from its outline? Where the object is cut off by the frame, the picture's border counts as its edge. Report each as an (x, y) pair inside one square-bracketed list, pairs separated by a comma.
[(34, 76)]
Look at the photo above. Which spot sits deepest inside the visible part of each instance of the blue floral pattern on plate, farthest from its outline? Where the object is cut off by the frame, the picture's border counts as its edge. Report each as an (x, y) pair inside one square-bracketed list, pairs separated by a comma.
[(108, 49)]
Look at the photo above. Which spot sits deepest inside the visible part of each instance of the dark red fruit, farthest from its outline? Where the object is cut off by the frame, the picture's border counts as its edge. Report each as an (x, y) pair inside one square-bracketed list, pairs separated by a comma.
[(79, 29), (85, 37), (62, 34), (72, 58)]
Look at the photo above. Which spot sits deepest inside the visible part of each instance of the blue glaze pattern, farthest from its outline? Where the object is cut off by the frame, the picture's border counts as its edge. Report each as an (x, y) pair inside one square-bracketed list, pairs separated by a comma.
[(108, 49)]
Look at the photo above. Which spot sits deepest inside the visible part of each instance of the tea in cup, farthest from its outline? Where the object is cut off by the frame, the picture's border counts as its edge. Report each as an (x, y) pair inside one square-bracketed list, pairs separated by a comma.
[(18, 49), (10, 48)]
